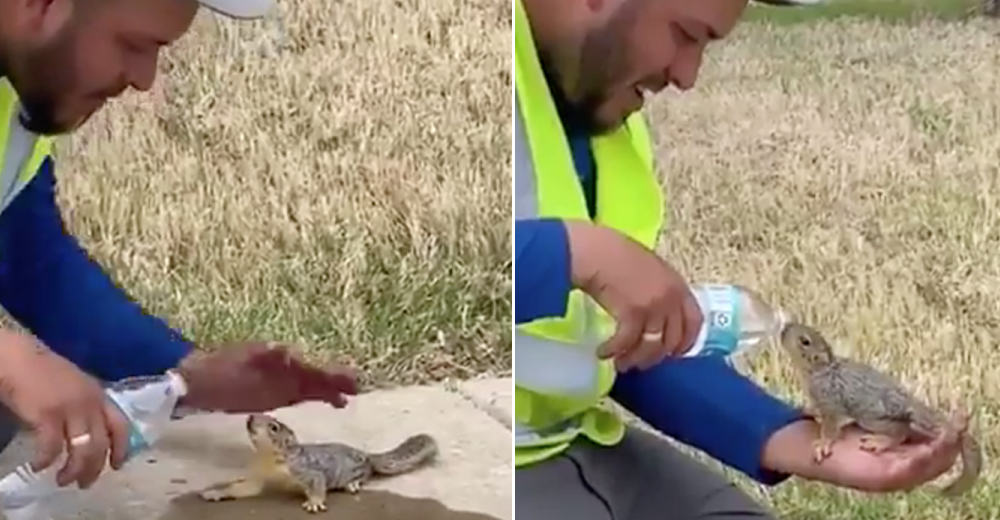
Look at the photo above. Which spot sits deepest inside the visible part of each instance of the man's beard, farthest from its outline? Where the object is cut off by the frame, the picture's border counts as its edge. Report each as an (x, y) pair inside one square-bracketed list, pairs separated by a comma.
[(39, 117), (38, 77), (591, 84), (579, 108)]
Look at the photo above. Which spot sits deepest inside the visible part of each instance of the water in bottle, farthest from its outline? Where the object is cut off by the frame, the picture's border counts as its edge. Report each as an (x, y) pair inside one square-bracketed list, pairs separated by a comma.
[(736, 321), (148, 403)]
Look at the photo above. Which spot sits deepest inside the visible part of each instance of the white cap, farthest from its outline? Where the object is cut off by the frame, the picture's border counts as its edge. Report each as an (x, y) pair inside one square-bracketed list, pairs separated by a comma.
[(177, 383), (240, 9)]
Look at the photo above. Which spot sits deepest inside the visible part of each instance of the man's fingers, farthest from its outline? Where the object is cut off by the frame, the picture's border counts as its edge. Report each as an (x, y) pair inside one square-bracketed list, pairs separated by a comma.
[(275, 357), (96, 451), (928, 460), (646, 352), (49, 441), (344, 380), (625, 338), (118, 430), (328, 386), (960, 423), (673, 332), (693, 320), (78, 440)]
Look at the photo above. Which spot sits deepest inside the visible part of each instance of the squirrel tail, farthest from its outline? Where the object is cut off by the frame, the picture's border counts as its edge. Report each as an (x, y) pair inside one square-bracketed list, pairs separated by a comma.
[(927, 420), (972, 464), (408, 455)]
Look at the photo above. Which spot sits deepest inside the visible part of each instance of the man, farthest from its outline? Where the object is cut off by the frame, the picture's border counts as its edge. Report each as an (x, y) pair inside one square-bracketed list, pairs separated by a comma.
[(588, 212), (60, 61)]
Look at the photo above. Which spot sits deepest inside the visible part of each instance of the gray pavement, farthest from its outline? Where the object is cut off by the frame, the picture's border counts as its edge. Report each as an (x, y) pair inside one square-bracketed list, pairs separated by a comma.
[(472, 479)]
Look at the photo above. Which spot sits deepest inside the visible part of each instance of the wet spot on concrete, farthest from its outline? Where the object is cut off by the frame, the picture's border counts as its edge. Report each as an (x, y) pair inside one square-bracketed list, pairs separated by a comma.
[(365, 505)]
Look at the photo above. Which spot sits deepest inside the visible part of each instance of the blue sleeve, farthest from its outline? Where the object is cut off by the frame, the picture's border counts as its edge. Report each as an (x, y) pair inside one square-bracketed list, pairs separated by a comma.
[(705, 403), (52, 287), (541, 269)]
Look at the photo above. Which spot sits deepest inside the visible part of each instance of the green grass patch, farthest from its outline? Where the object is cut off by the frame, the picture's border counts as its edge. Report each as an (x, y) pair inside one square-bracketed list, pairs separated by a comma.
[(891, 11)]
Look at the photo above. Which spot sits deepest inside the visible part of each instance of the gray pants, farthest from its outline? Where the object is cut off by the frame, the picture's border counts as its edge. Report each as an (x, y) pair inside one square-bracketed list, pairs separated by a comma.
[(641, 478)]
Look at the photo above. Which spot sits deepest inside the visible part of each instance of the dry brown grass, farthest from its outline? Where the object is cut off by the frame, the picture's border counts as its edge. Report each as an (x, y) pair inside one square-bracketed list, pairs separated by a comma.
[(342, 184), (349, 190), (849, 170)]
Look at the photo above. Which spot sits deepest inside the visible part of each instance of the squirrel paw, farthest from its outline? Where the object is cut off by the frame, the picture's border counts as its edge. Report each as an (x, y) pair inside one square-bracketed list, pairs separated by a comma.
[(314, 505), (822, 449), (875, 443), (353, 487), (213, 495)]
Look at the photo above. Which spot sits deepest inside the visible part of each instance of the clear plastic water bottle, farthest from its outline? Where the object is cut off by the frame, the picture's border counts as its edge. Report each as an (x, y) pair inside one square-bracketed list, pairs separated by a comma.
[(736, 321), (148, 402)]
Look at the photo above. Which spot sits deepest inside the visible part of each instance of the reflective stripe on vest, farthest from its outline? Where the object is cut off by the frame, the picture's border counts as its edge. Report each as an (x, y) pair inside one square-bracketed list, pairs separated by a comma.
[(525, 435), (21, 152), (537, 356), (559, 381)]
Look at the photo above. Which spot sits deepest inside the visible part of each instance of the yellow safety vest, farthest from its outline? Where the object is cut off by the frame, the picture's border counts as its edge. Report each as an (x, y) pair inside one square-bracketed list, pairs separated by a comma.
[(560, 384), (21, 152)]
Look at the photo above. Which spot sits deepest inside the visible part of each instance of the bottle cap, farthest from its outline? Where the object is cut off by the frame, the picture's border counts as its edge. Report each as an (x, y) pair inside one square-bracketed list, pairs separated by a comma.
[(783, 319), (177, 383)]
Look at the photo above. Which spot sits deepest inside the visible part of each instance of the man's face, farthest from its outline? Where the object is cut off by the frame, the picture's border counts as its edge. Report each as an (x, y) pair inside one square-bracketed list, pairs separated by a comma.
[(66, 58), (634, 48)]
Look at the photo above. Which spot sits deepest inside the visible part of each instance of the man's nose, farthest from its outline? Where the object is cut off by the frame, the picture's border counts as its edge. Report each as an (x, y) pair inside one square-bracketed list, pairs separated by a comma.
[(142, 74), (684, 70)]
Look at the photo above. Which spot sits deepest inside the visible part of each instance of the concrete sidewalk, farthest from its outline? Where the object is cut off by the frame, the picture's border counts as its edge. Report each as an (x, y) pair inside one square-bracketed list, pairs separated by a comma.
[(471, 480)]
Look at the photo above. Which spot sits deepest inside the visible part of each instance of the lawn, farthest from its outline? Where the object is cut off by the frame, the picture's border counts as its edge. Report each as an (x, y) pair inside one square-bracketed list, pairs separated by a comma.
[(848, 169), (337, 177), (342, 181)]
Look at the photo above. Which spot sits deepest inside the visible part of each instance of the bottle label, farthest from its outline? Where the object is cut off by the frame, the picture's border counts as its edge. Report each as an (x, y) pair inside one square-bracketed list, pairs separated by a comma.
[(136, 440), (721, 309)]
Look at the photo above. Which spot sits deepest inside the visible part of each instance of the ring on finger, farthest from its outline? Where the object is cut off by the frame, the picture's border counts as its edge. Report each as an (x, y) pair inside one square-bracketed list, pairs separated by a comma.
[(652, 336), (80, 440)]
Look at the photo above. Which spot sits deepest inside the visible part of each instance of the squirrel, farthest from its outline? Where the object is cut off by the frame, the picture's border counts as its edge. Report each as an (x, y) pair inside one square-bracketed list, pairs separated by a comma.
[(315, 469), (841, 391)]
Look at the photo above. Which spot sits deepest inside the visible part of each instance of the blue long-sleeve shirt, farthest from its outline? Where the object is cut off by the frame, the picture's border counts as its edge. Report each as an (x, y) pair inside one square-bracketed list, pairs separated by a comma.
[(52, 287), (702, 402)]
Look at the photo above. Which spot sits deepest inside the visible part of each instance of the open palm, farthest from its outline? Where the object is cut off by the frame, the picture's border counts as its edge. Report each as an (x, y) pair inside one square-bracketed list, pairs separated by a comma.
[(898, 469), (259, 377)]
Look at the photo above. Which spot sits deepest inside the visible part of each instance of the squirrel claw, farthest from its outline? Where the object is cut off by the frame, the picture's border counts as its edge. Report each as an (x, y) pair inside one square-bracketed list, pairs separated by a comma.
[(212, 495), (822, 449), (314, 506), (874, 443)]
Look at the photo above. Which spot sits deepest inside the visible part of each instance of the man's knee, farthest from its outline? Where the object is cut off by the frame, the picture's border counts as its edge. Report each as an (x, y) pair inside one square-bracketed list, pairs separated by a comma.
[(668, 475), (557, 489), (732, 503), (637, 479)]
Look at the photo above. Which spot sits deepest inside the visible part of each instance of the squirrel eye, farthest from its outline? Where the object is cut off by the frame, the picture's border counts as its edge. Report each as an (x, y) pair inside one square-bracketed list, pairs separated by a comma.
[(273, 427), (806, 342)]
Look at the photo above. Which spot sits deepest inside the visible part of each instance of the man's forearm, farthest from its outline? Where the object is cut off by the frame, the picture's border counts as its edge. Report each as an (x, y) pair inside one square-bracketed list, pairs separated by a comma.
[(706, 404), (52, 287), (790, 450)]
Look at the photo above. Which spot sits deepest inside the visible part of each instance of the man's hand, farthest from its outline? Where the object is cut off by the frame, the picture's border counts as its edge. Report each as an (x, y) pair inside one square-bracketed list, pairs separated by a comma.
[(64, 407), (258, 377), (900, 469), (656, 313)]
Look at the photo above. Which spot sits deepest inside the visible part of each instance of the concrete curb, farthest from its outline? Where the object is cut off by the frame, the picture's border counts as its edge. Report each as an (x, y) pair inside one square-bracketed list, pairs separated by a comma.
[(492, 396), (472, 480)]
